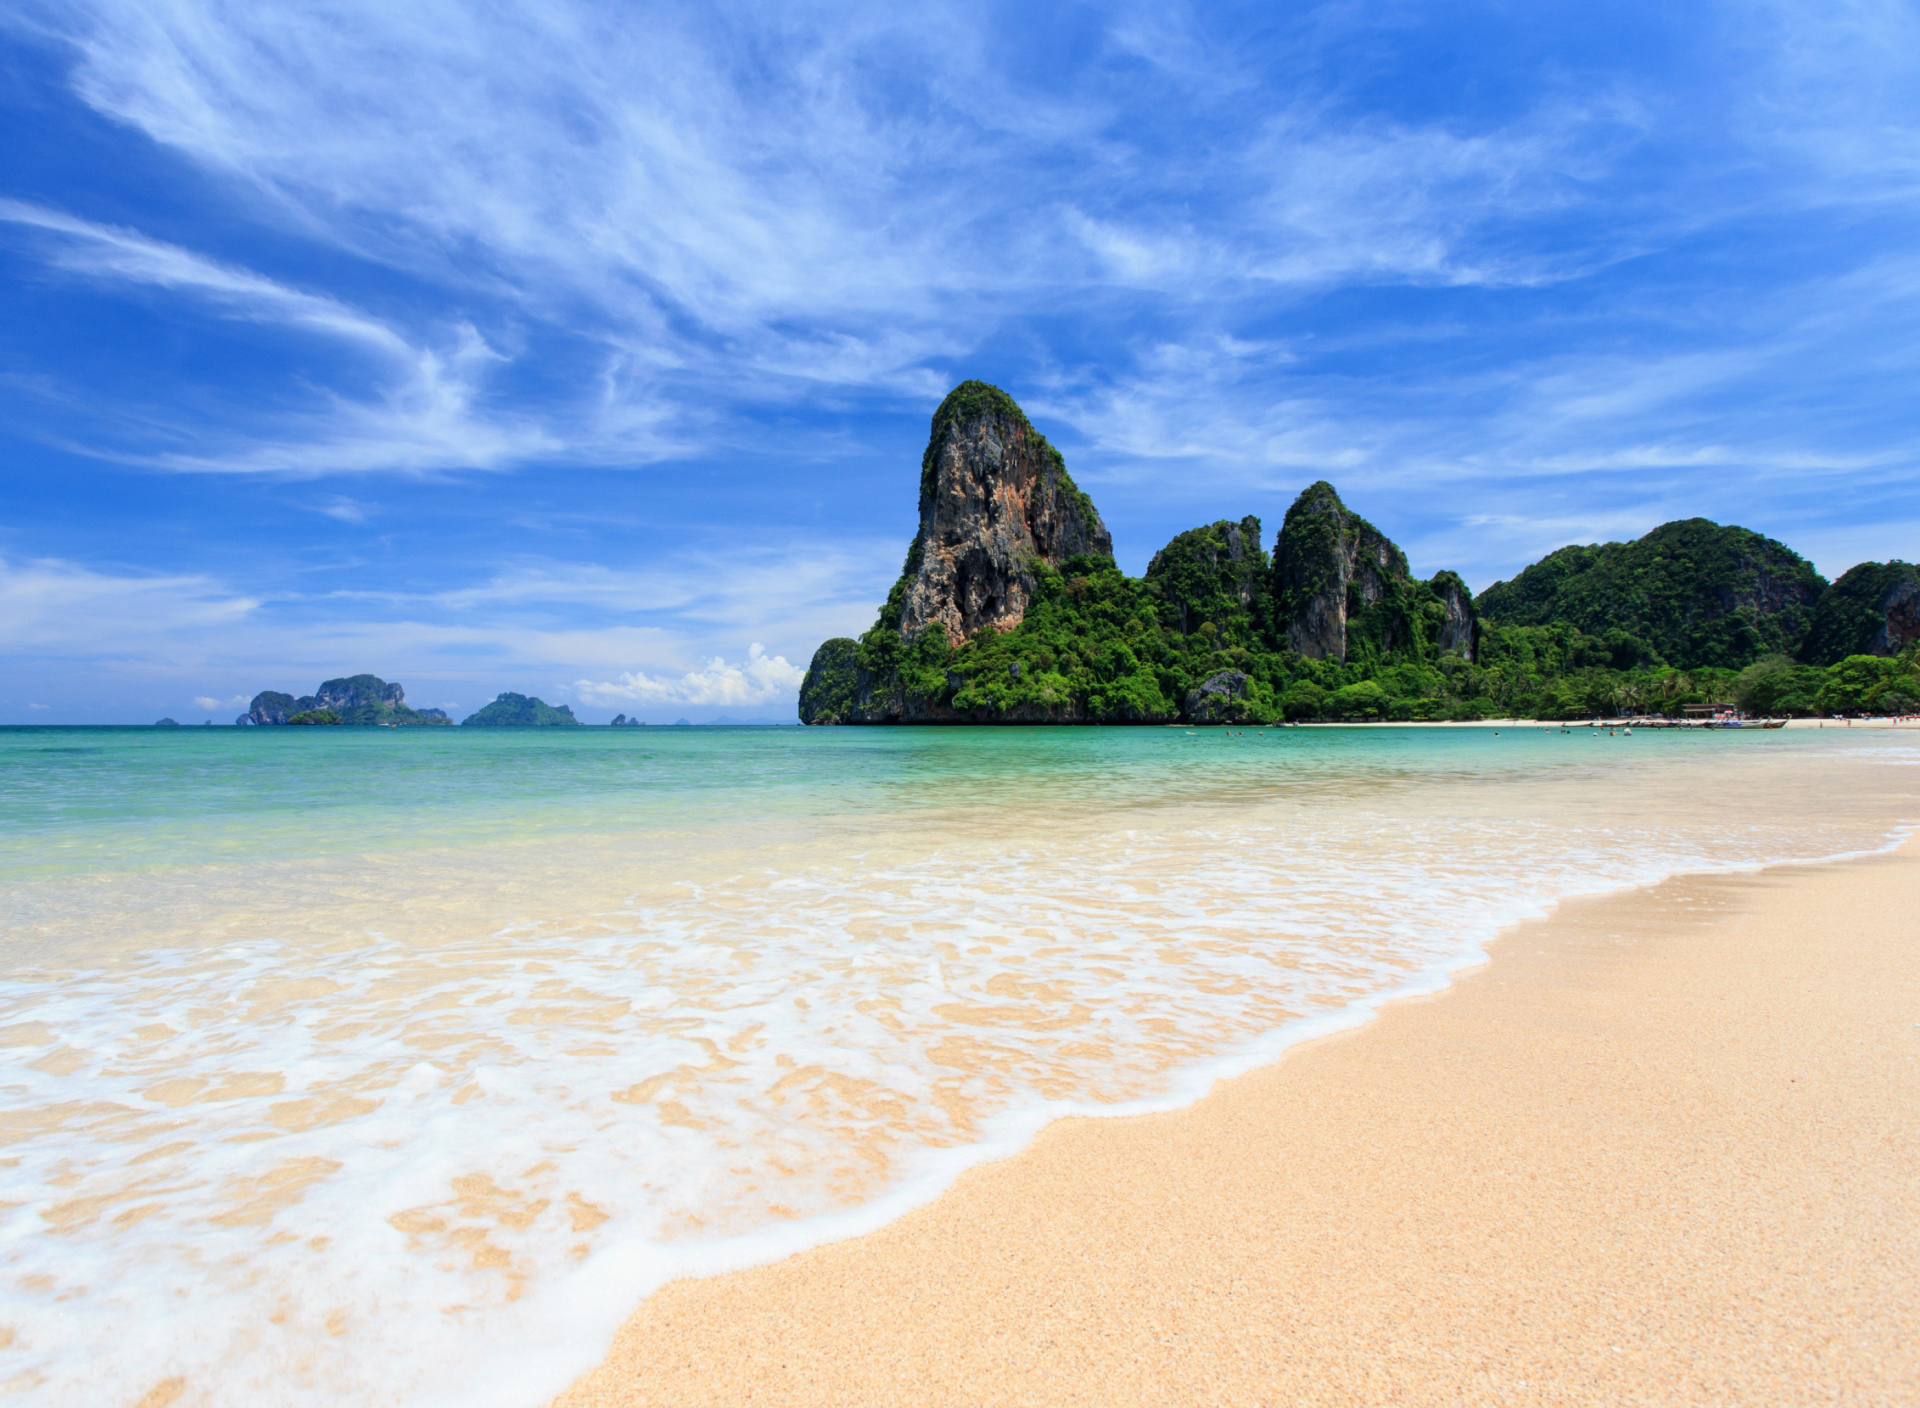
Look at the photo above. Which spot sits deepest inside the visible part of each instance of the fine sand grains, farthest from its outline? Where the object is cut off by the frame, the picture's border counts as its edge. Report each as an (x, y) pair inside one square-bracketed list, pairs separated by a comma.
[(1664, 1148)]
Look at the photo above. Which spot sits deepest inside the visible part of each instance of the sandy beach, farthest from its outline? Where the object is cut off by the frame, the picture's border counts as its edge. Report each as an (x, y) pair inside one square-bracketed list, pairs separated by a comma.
[(1663, 1148)]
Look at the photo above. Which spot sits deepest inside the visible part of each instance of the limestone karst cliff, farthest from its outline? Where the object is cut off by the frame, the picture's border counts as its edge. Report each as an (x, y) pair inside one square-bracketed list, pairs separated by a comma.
[(351, 699), (1327, 564), (1011, 609), (995, 499), (1342, 588)]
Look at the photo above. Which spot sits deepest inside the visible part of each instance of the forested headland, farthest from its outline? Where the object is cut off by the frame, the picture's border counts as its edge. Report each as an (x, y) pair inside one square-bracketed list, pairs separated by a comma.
[(1010, 609)]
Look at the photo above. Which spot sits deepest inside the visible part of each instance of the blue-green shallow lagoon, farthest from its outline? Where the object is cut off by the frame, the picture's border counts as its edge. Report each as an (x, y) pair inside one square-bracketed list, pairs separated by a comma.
[(89, 797), (397, 1065)]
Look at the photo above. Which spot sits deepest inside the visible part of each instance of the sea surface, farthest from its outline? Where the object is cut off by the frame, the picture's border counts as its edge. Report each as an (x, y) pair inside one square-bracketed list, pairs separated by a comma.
[(397, 1066)]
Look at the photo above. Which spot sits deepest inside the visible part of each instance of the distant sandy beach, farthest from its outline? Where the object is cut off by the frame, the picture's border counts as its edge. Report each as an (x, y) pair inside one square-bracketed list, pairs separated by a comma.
[(1902, 723), (1663, 1148)]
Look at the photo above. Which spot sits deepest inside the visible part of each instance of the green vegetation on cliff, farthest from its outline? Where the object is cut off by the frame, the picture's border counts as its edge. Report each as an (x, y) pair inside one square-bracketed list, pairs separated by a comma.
[(351, 699), (1873, 609), (1335, 626), (1692, 593)]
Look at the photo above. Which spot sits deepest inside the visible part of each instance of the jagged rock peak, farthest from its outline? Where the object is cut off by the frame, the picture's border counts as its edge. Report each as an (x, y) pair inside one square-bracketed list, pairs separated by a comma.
[(1328, 561), (994, 498)]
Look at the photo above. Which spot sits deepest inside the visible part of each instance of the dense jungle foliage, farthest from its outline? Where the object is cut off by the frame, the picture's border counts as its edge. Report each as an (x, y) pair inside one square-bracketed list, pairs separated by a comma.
[(1333, 625), (1693, 593), (1101, 646)]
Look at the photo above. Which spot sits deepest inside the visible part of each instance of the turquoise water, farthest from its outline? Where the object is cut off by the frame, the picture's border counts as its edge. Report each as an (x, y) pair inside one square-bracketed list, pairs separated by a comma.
[(85, 798), (406, 1062)]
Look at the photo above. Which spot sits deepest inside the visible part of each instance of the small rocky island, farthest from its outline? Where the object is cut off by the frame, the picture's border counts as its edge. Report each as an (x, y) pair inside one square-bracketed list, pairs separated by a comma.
[(354, 699), (511, 710), (370, 700)]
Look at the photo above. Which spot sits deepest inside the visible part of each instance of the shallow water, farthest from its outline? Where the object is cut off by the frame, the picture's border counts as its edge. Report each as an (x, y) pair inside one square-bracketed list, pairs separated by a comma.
[(396, 1066)]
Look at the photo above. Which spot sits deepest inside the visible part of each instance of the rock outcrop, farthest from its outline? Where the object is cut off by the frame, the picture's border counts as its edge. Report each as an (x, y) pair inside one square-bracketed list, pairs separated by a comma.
[(1458, 622), (1218, 699), (270, 706), (359, 692), (1872, 609), (1329, 564), (1216, 574), (351, 699), (997, 507), (995, 498)]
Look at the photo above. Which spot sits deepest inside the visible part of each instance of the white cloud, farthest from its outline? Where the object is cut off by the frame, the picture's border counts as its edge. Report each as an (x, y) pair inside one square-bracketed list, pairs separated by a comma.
[(56, 609), (761, 677), (425, 416), (747, 205), (537, 628)]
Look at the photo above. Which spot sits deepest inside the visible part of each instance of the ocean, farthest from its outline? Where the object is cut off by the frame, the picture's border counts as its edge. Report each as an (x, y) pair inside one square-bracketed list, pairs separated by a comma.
[(398, 1066)]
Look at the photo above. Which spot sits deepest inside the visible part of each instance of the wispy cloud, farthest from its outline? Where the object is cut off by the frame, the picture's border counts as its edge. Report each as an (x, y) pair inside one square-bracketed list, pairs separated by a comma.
[(55, 609), (423, 418), (743, 205)]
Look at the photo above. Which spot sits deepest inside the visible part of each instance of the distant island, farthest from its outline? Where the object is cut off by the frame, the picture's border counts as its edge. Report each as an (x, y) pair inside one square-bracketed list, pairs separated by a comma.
[(355, 699), (1010, 609), (370, 700), (518, 711)]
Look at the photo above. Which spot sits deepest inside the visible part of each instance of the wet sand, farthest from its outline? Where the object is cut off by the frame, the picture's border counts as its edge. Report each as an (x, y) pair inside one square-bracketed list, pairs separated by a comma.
[(1663, 1148)]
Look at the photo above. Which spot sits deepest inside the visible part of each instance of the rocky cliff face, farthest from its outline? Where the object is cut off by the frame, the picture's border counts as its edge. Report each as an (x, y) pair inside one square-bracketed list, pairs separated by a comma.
[(1873, 609), (994, 498), (356, 699), (270, 706), (360, 692), (1458, 619), (1328, 565)]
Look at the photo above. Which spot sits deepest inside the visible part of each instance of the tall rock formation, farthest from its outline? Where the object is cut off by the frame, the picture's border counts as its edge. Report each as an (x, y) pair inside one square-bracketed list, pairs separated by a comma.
[(996, 506), (1342, 591), (1458, 620), (994, 498), (1214, 574), (1873, 609), (1328, 565)]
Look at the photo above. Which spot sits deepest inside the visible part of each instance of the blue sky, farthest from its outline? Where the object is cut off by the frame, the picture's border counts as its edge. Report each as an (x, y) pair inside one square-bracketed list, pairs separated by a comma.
[(588, 350)]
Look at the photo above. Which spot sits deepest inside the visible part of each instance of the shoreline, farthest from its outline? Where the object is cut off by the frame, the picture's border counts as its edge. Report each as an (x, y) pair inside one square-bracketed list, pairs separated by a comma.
[(1281, 1239)]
